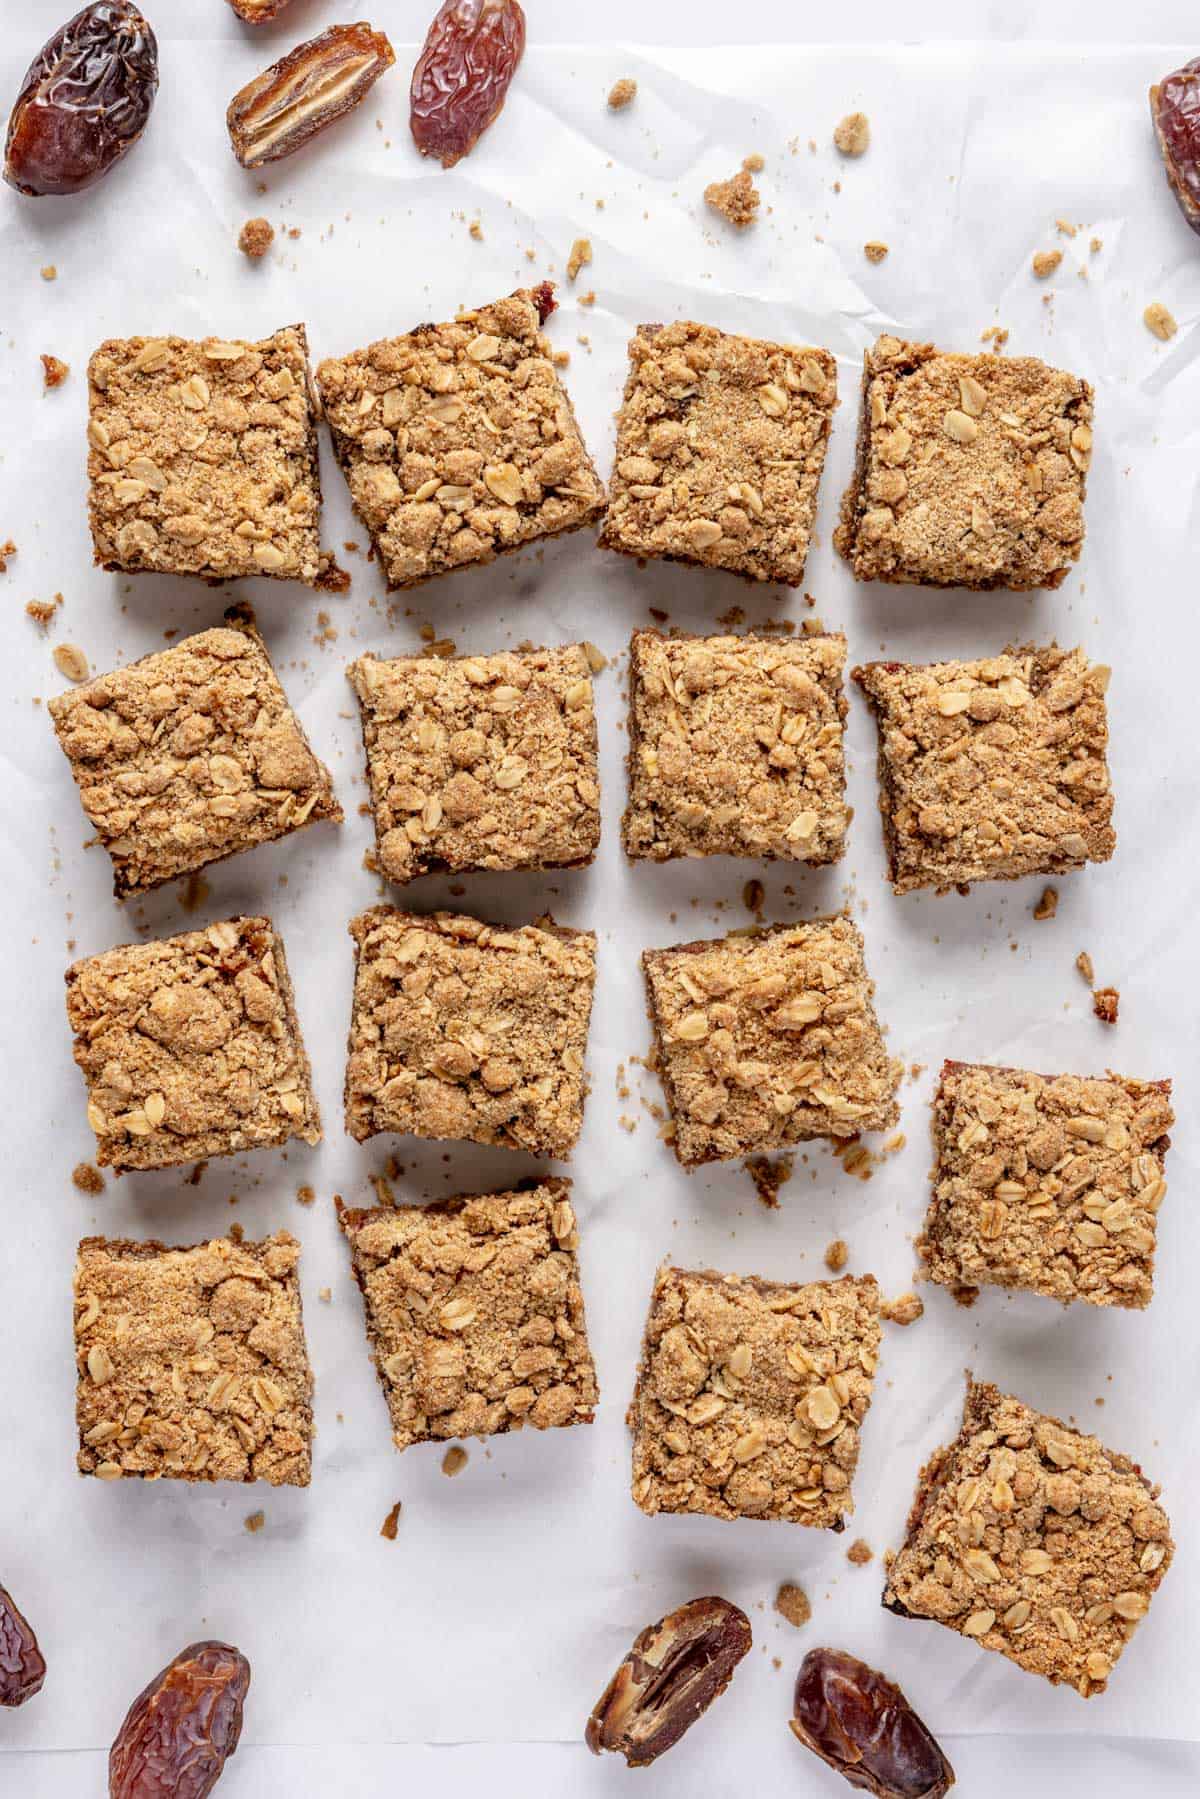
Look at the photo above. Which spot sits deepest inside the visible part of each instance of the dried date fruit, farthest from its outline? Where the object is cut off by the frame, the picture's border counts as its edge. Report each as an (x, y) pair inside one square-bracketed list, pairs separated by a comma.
[(1175, 110), (84, 101), (672, 1674), (181, 1729), (858, 1722), (307, 90), (463, 74), (22, 1667)]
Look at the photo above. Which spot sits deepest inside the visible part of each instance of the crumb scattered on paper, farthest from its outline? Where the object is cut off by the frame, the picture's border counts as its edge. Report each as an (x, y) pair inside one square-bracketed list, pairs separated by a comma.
[(87, 1178), (255, 1522), (904, 1310), (1105, 1002), (736, 199), (391, 1524), (1083, 963), (1045, 263), (791, 1602), (255, 238), (54, 371), (70, 661), (852, 134), (837, 1254), (1157, 319), (769, 1175), (622, 93), (860, 1552), (1047, 906), (454, 1460), (874, 250), (581, 255)]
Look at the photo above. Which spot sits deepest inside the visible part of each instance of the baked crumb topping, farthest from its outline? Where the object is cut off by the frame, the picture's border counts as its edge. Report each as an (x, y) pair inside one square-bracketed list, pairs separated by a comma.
[(737, 199)]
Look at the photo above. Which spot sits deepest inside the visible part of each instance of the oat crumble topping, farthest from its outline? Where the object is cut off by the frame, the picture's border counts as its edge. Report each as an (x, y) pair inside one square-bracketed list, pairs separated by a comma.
[(791, 1602), (737, 199), (255, 238), (852, 135), (1045, 262), (1158, 319), (622, 93), (875, 250), (71, 662), (54, 371)]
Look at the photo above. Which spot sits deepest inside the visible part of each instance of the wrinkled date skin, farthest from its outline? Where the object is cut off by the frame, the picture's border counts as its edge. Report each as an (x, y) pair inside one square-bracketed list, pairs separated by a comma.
[(860, 1723), (306, 91), (181, 1730), (1175, 109), (463, 74), (22, 1668), (672, 1674), (84, 102)]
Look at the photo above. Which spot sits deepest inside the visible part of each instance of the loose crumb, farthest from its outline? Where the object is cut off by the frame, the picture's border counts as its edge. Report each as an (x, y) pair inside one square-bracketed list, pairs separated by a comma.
[(875, 250), (837, 1255), (996, 335), (1045, 263), (70, 661), (325, 1295), (860, 1552), (42, 611), (736, 200), (622, 93), (87, 1178), (597, 661), (1096, 245), (791, 1602), (255, 238), (1083, 963), (581, 255), (49, 273), (893, 1145), (753, 895), (769, 1176), (6, 550), (255, 1522), (475, 230), (1105, 1001), (54, 371), (1047, 906), (454, 1460), (588, 299), (391, 1524), (853, 134), (904, 1310), (561, 358), (754, 164), (1156, 318), (1065, 227)]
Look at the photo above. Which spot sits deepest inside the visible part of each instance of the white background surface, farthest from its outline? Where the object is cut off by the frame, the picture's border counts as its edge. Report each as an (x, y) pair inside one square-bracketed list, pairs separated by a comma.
[(469, 1651)]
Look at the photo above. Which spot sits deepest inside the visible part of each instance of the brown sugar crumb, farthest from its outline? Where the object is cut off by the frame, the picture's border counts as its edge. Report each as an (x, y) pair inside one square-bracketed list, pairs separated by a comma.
[(875, 250), (736, 199), (49, 272), (255, 238), (87, 1178), (1083, 963), (1045, 262), (904, 1310), (70, 661), (853, 134), (791, 1602), (255, 1522), (837, 1254), (1159, 320), (454, 1460), (42, 611), (860, 1552), (7, 550), (54, 371), (581, 255), (1047, 906), (305, 1195), (754, 164), (391, 1524), (1105, 1001), (996, 335), (769, 1176), (622, 93)]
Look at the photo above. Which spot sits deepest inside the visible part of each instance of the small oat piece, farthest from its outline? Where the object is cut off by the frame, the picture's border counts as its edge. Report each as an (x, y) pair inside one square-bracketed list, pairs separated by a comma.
[(754, 163), (475, 1314), (991, 769), (1083, 963), (255, 238), (737, 199), (54, 372), (769, 1176), (1034, 1540), (49, 272), (1045, 262), (203, 458), (458, 441), (191, 755), (791, 1602), (465, 1030), (971, 470), (769, 1038), (1105, 1001), (904, 1310), (70, 661), (751, 1394), (622, 93), (874, 250), (42, 611), (255, 1522), (475, 230), (484, 762), (837, 1255), (1047, 906), (720, 445), (390, 1528), (735, 748), (87, 1178), (581, 255), (852, 135), (1047, 1182), (860, 1553), (1158, 319), (192, 1362), (190, 1047), (454, 1460)]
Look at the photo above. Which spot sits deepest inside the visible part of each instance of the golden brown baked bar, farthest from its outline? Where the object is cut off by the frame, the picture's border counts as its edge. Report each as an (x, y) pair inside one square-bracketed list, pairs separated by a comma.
[(191, 1362), (190, 755), (720, 445), (971, 470), (464, 1030), (1034, 1540), (481, 761), (1049, 1182), (735, 747), (992, 769), (751, 1395), (458, 440), (769, 1038), (203, 458), (190, 1047), (475, 1314)]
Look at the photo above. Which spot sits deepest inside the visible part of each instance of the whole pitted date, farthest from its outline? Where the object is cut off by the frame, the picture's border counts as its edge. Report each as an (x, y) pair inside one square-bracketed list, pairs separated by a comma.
[(1175, 109), (307, 90), (672, 1674), (22, 1668), (860, 1723), (181, 1730), (84, 102), (463, 74)]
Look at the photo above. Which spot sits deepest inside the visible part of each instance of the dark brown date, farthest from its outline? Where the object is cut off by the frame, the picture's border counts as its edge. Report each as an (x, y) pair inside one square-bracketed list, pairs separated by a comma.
[(672, 1674), (1175, 110), (84, 102), (181, 1729), (22, 1668), (463, 74), (860, 1723), (307, 90)]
